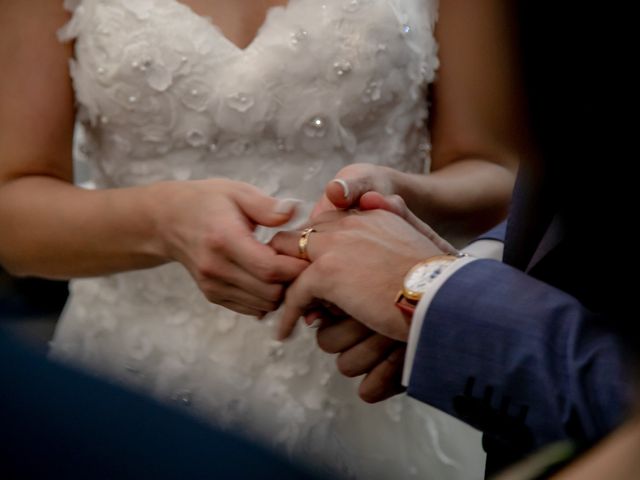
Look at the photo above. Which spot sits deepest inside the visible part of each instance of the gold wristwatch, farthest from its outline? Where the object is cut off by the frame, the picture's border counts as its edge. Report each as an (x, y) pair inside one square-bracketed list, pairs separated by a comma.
[(419, 278)]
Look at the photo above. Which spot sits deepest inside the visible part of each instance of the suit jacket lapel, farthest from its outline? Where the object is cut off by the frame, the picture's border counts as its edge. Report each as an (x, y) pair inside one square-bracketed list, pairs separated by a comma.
[(531, 214), (551, 239)]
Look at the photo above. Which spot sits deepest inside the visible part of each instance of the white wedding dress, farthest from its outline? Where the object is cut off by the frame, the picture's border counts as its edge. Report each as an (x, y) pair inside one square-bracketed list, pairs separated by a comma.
[(162, 94)]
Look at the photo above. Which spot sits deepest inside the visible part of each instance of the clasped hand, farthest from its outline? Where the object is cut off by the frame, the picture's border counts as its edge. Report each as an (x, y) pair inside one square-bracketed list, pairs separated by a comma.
[(358, 259), (364, 242)]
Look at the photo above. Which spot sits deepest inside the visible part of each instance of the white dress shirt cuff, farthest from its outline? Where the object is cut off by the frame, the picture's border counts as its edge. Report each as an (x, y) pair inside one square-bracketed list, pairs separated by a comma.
[(487, 249), (421, 312)]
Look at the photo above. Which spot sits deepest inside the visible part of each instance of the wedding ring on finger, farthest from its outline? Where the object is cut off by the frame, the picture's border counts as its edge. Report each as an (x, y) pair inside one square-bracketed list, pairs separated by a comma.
[(303, 243)]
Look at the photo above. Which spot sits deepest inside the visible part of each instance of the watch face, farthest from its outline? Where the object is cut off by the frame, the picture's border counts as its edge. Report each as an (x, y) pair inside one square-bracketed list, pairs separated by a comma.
[(417, 280), (422, 275)]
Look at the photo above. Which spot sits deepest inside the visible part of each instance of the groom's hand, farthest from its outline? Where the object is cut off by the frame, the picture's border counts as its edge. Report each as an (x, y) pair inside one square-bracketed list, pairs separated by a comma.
[(359, 260), (395, 204), (361, 351)]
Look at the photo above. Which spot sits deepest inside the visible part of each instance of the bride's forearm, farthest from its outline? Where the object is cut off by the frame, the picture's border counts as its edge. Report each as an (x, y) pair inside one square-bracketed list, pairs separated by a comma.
[(463, 198), (52, 229)]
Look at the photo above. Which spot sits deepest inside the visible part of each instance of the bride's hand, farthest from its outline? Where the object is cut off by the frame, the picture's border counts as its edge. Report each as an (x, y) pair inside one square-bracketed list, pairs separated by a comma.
[(208, 226), (351, 183), (372, 187)]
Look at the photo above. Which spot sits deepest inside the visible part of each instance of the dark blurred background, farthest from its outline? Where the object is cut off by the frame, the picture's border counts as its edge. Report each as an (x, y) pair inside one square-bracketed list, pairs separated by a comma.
[(31, 307)]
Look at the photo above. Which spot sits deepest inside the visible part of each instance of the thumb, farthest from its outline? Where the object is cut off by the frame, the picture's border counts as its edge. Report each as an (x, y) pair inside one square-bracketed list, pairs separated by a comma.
[(345, 191), (267, 211)]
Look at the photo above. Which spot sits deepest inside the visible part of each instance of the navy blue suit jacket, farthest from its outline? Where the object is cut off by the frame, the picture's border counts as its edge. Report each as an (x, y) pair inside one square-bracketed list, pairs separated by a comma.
[(59, 423), (528, 350), (519, 359)]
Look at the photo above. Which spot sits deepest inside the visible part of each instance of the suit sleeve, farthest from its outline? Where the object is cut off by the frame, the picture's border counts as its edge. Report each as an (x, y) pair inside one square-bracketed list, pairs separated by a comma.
[(518, 359)]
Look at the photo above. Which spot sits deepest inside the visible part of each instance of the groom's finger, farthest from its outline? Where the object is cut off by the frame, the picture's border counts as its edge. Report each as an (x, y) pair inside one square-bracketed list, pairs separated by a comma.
[(365, 356), (385, 380), (324, 315), (288, 243), (242, 309), (342, 335), (299, 297)]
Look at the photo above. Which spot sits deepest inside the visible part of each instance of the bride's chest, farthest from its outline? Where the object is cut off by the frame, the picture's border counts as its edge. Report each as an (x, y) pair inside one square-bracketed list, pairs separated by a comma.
[(326, 68)]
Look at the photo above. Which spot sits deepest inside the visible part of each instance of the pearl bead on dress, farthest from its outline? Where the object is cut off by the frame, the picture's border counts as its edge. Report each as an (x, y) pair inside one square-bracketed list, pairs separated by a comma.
[(298, 37), (316, 127), (342, 68), (196, 138), (240, 102)]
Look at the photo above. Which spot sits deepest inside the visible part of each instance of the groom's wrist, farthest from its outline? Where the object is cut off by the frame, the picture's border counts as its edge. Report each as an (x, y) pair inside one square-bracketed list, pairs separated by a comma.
[(419, 280), (422, 310)]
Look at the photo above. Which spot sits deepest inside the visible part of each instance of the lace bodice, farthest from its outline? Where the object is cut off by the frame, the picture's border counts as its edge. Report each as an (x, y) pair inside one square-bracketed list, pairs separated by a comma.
[(162, 94)]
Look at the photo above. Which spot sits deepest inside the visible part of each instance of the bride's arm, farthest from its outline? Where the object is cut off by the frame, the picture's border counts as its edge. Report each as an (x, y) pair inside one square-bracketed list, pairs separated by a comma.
[(475, 127), (51, 228), (476, 118)]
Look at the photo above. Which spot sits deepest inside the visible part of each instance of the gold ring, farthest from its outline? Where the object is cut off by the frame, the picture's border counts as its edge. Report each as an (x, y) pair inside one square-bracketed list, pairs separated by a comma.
[(303, 243)]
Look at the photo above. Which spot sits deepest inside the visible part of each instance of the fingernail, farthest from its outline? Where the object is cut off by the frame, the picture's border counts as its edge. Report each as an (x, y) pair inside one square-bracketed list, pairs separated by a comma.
[(286, 206), (317, 323), (345, 187)]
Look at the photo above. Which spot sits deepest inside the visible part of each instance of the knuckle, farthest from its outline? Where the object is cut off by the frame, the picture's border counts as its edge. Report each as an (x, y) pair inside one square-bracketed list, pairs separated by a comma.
[(326, 266), (236, 308), (215, 240), (213, 291), (323, 265), (222, 303), (207, 268), (212, 295)]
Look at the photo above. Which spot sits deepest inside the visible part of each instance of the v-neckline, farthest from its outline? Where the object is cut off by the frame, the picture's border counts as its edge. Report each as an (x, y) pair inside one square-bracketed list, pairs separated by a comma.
[(216, 28)]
